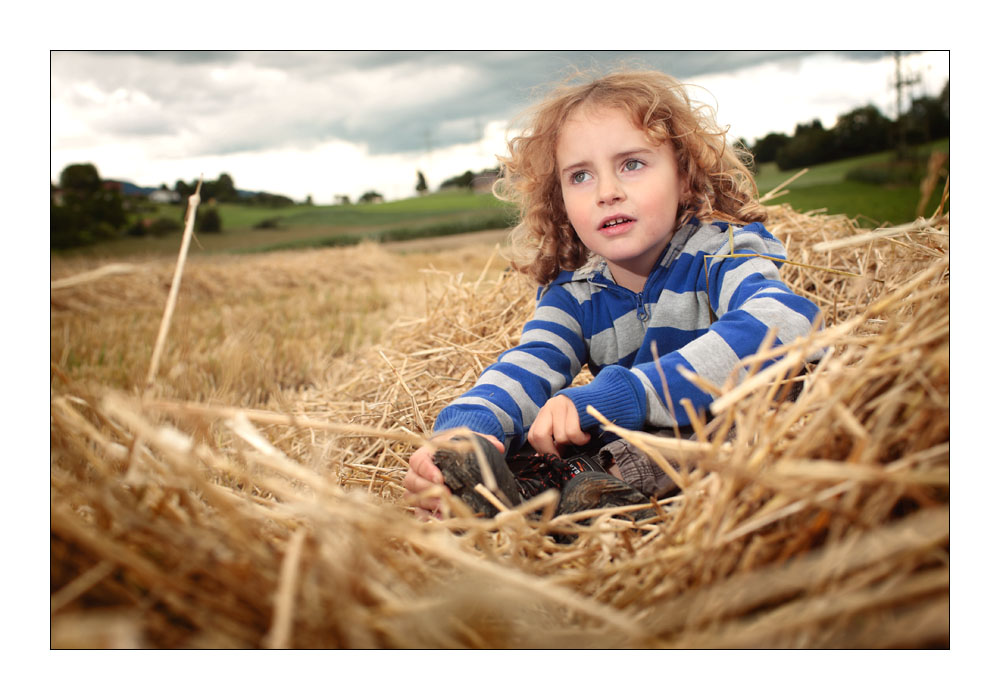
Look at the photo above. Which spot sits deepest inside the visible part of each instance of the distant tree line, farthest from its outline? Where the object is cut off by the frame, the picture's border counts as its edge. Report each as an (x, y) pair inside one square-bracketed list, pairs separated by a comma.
[(467, 180), (858, 132), (223, 190), (85, 209), (459, 181), (370, 197)]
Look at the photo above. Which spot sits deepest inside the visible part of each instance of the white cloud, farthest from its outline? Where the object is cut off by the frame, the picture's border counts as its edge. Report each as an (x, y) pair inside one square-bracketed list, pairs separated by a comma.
[(778, 96), (323, 171), (297, 124)]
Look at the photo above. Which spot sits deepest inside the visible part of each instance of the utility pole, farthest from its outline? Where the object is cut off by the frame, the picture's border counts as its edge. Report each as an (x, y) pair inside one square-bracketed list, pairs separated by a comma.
[(900, 84)]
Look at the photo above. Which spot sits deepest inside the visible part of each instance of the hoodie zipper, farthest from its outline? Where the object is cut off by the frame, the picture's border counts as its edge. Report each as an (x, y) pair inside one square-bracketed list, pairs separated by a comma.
[(637, 297), (671, 251), (640, 308)]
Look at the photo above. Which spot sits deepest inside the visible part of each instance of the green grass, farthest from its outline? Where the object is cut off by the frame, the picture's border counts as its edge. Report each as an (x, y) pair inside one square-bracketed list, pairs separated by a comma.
[(474, 221), (302, 226), (366, 216), (825, 186)]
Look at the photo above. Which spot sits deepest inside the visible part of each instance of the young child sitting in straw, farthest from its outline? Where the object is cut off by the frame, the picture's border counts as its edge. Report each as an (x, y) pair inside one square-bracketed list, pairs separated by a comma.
[(626, 192)]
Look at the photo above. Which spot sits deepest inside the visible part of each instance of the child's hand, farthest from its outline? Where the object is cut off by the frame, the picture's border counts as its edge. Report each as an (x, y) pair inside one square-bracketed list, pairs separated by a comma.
[(556, 424), (423, 474)]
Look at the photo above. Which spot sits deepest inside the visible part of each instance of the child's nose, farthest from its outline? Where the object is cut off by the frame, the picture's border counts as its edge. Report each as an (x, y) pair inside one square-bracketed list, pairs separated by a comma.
[(610, 191)]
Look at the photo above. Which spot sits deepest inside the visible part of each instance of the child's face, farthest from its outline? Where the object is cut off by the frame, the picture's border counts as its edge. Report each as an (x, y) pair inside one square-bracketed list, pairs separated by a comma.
[(620, 190)]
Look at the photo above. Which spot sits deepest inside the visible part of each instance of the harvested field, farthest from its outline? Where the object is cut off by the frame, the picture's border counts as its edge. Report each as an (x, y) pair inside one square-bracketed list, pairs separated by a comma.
[(252, 498)]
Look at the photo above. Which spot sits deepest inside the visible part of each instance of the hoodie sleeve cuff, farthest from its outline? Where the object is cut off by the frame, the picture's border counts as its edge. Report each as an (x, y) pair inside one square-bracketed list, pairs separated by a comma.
[(616, 393), (478, 421)]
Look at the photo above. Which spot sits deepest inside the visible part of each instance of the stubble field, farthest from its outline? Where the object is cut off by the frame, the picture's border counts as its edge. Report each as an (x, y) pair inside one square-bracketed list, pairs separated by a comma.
[(251, 496)]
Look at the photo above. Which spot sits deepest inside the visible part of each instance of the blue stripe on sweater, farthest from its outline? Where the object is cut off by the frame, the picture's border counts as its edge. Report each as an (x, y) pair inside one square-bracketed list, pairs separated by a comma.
[(584, 317)]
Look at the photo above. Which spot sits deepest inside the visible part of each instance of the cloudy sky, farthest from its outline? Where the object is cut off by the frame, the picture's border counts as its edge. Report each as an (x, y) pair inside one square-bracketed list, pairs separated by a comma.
[(327, 123)]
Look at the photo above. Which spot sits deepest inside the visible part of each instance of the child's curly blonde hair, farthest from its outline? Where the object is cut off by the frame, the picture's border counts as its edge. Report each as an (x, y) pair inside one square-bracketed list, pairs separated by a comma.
[(719, 185)]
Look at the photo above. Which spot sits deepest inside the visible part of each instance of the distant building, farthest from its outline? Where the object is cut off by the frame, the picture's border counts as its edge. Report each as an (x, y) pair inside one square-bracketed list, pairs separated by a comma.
[(164, 197)]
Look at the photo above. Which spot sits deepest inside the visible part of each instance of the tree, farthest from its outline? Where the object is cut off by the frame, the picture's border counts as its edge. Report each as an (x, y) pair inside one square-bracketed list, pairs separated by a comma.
[(370, 196), (183, 190), (860, 131), (87, 209), (928, 118), (811, 144), (80, 178), (463, 180), (266, 199), (207, 191), (765, 149), (225, 189), (208, 221), (421, 183)]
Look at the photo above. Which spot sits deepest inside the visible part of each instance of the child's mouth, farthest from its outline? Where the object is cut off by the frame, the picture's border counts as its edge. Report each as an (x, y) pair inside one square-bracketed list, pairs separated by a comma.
[(614, 223)]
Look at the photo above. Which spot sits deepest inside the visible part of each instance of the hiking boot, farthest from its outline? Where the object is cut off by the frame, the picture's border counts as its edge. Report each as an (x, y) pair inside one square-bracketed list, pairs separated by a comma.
[(461, 470), (592, 489), (536, 473)]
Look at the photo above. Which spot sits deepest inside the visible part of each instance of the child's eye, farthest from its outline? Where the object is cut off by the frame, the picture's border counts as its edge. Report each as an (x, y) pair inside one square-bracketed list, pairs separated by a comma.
[(633, 164), (577, 178)]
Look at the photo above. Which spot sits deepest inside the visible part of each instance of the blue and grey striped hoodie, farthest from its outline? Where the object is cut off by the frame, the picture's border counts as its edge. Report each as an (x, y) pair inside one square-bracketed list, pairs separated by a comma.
[(705, 324)]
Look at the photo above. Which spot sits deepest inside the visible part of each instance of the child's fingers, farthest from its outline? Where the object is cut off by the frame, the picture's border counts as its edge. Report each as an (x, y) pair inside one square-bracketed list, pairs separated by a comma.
[(562, 427), (422, 475), (424, 506), (578, 436), (574, 433), (540, 434), (427, 513), (496, 443), (422, 463), (557, 424), (415, 485), (427, 507)]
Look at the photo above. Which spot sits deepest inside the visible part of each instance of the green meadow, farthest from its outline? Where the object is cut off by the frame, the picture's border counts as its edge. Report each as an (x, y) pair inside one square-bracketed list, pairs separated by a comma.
[(256, 229), (825, 188)]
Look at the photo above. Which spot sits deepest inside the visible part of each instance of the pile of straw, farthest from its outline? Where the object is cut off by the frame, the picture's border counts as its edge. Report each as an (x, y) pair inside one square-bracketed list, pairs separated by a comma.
[(179, 520)]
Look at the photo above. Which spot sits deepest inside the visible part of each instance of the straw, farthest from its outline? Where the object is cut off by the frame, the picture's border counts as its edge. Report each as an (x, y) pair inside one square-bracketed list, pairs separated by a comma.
[(175, 285), (257, 501)]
